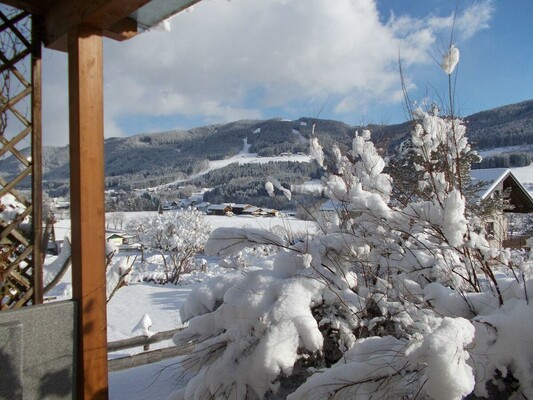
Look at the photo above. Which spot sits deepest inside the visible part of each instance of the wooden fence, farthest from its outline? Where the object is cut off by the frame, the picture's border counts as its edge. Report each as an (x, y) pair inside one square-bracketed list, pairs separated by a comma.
[(516, 242), (147, 356)]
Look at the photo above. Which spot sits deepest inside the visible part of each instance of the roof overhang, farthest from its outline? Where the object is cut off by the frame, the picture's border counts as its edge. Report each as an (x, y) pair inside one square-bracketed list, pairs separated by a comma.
[(490, 179), (117, 19), (519, 198)]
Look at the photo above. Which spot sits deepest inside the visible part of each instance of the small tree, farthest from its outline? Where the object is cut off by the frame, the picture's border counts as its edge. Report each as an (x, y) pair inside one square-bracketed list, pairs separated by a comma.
[(117, 220), (177, 236)]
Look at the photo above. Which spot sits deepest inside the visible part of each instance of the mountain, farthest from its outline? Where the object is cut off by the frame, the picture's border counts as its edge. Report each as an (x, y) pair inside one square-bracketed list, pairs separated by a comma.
[(148, 160), (503, 136)]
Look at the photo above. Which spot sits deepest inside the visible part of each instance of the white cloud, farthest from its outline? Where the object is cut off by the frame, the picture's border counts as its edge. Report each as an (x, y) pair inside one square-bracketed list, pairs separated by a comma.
[(230, 60), (469, 22), (475, 18)]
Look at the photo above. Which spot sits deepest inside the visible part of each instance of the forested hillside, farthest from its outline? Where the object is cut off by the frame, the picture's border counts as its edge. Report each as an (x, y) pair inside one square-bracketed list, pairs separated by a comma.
[(511, 125), (150, 160), (246, 183)]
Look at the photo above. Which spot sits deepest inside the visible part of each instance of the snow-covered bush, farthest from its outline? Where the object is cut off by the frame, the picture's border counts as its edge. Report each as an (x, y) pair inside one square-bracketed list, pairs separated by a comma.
[(387, 302), (392, 299), (177, 236)]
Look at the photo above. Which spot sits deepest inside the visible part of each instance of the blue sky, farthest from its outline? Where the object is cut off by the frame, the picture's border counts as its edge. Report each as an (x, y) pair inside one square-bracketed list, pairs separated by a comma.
[(255, 59)]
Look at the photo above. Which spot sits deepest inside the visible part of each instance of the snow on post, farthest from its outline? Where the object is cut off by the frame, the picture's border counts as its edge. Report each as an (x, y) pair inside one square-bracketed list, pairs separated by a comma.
[(143, 326)]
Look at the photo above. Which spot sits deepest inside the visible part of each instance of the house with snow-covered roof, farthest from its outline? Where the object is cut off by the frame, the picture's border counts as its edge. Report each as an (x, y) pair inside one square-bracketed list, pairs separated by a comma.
[(239, 209), (498, 182), (219, 209), (269, 212), (118, 238), (203, 206), (252, 210)]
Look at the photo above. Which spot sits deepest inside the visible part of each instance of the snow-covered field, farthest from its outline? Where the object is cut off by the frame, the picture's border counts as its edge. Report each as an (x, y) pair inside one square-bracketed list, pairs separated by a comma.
[(503, 150), (161, 303), (149, 382)]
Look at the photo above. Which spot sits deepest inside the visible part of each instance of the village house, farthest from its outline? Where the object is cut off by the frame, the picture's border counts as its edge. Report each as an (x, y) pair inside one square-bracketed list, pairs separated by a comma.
[(203, 206), (252, 210), (230, 209), (219, 209), (167, 205), (269, 212), (239, 209), (118, 239), (502, 182)]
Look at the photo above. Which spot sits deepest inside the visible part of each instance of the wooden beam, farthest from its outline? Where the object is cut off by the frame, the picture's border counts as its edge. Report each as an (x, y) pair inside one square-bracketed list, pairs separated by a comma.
[(100, 14), (122, 30), (36, 7), (142, 341), (87, 209), (36, 162)]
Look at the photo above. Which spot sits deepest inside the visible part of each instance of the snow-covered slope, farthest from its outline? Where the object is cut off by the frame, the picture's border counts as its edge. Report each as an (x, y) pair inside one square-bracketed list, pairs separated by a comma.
[(244, 157)]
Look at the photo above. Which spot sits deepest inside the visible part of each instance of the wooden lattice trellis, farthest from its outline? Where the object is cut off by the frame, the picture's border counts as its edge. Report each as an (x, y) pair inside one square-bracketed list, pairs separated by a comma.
[(20, 107)]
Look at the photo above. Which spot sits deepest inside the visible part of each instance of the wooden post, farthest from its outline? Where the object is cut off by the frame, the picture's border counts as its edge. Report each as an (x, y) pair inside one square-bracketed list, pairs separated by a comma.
[(36, 161), (87, 208)]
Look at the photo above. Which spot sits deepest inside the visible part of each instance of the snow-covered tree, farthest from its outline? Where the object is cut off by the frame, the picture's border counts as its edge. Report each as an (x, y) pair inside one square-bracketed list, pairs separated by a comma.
[(387, 301), (397, 297), (177, 236)]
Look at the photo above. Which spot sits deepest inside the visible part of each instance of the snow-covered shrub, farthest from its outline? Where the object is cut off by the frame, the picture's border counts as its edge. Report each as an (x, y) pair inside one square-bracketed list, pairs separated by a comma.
[(177, 236), (404, 301)]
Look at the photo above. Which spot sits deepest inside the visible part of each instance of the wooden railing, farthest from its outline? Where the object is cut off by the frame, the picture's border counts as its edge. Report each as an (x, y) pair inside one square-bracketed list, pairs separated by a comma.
[(147, 356)]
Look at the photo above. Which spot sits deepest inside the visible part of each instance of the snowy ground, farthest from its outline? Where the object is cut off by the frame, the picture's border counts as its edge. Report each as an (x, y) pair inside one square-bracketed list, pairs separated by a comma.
[(62, 227), (161, 303), (153, 381), (503, 150), (125, 310)]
